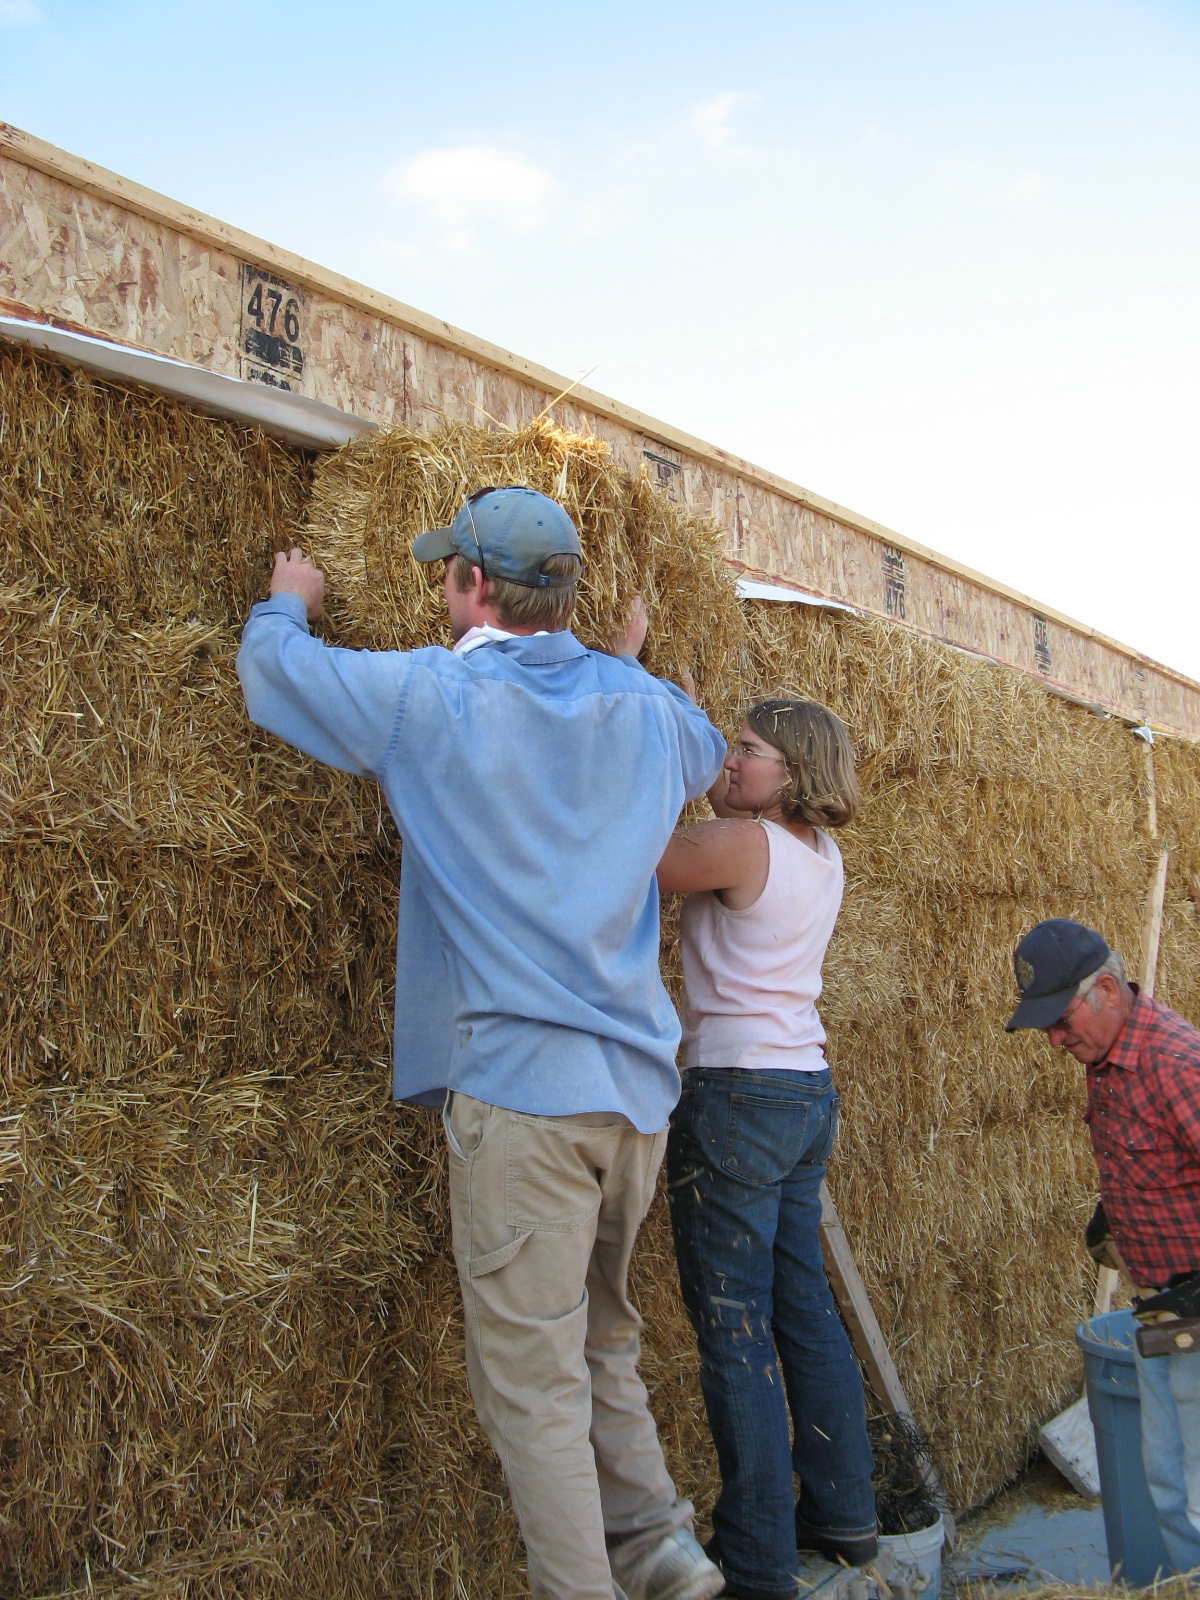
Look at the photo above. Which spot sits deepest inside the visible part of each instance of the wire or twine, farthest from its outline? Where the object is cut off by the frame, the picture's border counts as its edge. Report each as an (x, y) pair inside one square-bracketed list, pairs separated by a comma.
[(903, 1501)]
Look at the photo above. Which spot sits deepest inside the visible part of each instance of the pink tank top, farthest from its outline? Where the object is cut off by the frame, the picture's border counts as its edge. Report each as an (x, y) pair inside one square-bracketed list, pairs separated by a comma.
[(752, 977)]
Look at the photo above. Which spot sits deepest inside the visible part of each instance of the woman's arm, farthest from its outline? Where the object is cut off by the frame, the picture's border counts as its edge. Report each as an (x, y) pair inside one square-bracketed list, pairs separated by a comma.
[(732, 857)]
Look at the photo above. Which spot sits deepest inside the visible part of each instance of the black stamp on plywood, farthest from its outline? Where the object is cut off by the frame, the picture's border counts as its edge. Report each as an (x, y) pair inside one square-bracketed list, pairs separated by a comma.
[(665, 467), (271, 335), (894, 579), (1139, 689), (1041, 643)]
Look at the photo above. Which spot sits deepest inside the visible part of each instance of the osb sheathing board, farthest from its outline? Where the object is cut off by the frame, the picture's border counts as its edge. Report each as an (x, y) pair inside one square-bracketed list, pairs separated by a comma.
[(87, 249)]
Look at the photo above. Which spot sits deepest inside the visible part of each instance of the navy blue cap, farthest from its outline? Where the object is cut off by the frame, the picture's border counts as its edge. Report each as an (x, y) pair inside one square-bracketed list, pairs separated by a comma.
[(509, 533), (1051, 961)]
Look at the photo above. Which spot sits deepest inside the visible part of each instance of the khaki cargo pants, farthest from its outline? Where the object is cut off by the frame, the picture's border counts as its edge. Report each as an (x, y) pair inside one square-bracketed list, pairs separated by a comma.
[(544, 1213)]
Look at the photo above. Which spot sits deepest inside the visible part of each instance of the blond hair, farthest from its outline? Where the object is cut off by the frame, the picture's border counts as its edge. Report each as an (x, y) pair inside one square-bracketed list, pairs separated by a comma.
[(521, 606), (821, 787)]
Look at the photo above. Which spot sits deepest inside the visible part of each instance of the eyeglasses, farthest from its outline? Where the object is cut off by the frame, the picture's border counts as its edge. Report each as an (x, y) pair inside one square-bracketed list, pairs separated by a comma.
[(1065, 1020), (747, 752)]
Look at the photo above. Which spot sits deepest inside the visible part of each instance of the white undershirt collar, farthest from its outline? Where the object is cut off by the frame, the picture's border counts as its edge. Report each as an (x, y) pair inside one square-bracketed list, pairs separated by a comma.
[(486, 634)]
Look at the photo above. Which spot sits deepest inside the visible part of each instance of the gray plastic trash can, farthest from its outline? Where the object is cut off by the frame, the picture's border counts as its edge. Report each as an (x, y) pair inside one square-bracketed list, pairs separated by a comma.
[(1135, 1547)]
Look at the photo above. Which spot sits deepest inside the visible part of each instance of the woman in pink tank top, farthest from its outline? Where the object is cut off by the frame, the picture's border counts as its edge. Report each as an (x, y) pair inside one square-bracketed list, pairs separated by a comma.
[(748, 1146)]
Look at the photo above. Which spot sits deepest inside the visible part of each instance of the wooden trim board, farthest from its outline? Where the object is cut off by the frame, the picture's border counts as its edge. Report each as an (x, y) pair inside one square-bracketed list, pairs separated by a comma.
[(866, 1335), (85, 248), (1107, 1278), (857, 1313), (1152, 926)]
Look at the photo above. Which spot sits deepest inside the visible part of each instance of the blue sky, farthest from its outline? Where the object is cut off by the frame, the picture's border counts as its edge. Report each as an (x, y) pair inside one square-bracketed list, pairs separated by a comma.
[(938, 262)]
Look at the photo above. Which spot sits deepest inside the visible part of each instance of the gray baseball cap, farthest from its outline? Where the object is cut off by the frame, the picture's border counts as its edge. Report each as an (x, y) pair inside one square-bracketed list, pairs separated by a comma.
[(509, 533)]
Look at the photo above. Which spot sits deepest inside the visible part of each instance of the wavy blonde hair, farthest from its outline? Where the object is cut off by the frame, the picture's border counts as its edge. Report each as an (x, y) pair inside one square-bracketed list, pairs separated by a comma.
[(822, 786)]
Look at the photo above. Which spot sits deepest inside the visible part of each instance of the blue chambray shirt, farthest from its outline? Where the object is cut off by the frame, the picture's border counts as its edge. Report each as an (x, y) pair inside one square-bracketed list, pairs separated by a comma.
[(535, 784)]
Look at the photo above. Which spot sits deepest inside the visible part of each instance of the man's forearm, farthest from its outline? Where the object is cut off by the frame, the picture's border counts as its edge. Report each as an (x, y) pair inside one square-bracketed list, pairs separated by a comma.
[(337, 705)]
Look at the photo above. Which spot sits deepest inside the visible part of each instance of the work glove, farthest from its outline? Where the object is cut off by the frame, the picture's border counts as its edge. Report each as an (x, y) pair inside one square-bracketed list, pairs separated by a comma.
[(1180, 1300)]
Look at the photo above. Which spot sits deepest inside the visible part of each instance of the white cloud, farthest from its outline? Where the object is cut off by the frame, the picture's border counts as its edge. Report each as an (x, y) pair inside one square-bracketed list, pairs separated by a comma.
[(14, 12), (472, 184), (713, 119), (1026, 192)]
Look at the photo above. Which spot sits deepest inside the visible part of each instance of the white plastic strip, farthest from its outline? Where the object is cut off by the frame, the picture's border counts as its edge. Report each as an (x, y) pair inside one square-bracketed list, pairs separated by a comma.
[(756, 589), (289, 416)]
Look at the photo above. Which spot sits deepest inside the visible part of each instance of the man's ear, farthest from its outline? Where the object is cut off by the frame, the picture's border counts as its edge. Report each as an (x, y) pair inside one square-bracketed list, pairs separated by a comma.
[(1110, 988)]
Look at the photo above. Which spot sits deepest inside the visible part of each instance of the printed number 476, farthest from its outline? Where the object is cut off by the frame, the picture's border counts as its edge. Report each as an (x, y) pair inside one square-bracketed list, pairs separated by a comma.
[(291, 311)]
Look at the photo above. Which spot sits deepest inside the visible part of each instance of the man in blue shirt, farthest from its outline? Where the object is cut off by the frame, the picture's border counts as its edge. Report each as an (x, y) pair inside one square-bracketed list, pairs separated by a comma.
[(535, 785)]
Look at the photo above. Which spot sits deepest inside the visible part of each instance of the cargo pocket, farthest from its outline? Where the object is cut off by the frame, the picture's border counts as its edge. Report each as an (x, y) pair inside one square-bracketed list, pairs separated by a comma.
[(495, 1259), (473, 1189)]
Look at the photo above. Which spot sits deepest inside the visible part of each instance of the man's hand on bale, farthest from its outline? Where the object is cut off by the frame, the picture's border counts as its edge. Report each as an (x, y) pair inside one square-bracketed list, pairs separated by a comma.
[(295, 574), (628, 640)]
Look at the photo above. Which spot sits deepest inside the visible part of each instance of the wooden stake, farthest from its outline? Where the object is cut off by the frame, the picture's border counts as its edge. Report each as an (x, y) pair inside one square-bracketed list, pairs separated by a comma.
[(1152, 926), (1151, 795), (1107, 1278), (866, 1335)]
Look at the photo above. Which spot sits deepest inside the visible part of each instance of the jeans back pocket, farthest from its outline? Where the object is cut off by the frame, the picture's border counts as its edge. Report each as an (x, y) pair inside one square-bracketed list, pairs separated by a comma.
[(767, 1135)]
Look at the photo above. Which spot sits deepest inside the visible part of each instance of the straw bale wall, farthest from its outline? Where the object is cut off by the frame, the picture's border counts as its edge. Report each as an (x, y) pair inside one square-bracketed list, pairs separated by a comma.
[(230, 1353)]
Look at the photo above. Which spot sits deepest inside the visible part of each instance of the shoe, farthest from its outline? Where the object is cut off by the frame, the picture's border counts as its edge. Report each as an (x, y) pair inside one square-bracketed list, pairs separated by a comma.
[(675, 1569), (855, 1549)]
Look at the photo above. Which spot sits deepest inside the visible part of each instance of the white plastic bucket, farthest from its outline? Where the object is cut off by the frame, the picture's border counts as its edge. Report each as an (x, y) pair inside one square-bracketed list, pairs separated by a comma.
[(918, 1558)]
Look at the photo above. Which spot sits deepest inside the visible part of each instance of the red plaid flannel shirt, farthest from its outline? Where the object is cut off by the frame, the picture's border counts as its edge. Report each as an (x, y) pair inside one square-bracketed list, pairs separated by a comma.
[(1143, 1112)]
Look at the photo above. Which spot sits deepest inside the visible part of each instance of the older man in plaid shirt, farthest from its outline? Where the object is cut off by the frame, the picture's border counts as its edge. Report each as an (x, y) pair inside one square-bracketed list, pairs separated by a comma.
[(1143, 1112)]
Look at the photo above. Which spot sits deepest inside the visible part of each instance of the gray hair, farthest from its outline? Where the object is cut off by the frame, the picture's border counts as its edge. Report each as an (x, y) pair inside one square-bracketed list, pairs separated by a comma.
[(1114, 967)]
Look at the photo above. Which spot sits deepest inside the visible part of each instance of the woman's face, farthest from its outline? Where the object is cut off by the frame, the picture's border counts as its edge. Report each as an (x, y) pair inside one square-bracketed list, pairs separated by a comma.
[(757, 773)]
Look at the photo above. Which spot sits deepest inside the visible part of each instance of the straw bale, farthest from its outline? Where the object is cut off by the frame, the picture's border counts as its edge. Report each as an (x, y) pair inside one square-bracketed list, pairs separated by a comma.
[(372, 498), (135, 501), (230, 1356)]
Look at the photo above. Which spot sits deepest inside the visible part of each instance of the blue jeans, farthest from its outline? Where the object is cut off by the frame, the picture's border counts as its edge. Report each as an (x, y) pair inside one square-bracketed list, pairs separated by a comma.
[(745, 1160), (1169, 1395)]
